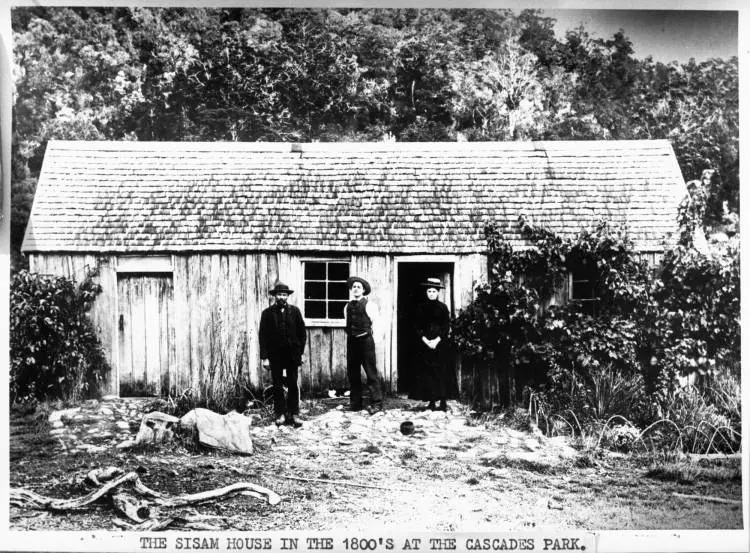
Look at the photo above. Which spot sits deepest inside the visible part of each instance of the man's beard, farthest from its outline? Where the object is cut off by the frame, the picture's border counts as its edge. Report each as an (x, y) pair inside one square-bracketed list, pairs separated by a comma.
[(280, 302)]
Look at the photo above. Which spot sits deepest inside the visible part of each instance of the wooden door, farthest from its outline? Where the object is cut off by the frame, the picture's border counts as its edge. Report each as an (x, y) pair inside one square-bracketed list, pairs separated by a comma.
[(146, 334)]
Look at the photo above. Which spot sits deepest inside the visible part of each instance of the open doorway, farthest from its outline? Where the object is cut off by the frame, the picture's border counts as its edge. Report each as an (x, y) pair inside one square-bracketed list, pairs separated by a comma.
[(410, 293)]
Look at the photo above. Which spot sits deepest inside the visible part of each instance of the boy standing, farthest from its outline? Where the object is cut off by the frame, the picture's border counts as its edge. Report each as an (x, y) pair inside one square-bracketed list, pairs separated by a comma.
[(360, 314)]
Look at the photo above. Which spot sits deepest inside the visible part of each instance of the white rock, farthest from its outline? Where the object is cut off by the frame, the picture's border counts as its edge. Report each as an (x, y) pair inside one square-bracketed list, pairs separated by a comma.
[(92, 448), (57, 415)]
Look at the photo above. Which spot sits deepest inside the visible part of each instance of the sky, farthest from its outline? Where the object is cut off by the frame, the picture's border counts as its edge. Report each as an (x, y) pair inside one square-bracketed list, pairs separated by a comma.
[(665, 35)]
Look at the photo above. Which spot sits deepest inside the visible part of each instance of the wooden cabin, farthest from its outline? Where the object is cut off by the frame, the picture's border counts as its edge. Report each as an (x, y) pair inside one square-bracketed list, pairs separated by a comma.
[(189, 237)]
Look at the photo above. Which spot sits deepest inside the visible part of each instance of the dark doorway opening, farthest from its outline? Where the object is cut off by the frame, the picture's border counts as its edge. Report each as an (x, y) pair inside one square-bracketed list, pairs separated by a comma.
[(411, 293)]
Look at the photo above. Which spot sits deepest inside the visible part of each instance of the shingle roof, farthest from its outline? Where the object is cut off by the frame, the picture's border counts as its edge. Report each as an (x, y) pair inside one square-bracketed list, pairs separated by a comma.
[(368, 197)]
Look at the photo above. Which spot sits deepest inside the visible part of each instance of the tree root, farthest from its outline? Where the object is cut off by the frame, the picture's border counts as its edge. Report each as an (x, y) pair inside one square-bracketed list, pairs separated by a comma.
[(139, 509)]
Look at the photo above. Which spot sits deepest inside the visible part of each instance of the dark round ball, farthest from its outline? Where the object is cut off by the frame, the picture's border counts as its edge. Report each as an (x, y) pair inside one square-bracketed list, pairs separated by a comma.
[(407, 427)]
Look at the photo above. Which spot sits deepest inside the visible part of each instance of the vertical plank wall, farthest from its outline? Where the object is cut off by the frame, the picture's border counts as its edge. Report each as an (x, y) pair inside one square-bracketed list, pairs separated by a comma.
[(379, 271), (474, 382), (218, 299), (103, 312)]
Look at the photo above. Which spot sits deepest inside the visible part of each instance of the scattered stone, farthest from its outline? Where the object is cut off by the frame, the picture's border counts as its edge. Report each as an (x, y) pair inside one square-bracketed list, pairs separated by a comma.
[(92, 448), (58, 415), (156, 428)]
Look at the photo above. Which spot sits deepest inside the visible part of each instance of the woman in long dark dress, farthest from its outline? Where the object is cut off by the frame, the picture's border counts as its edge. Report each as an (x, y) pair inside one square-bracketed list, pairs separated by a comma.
[(432, 325)]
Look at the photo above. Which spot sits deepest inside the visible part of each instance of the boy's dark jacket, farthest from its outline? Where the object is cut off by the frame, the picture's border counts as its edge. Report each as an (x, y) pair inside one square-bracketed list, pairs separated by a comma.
[(271, 345)]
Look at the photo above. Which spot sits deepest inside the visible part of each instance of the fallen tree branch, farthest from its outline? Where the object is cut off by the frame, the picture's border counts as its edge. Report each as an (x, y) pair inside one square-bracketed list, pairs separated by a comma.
[(711, 498), (139, 510), (259, 491), (32, 500), (341, 482)]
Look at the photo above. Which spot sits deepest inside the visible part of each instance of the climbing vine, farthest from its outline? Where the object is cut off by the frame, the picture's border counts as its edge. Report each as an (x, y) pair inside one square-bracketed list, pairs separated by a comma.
[(649, 326)]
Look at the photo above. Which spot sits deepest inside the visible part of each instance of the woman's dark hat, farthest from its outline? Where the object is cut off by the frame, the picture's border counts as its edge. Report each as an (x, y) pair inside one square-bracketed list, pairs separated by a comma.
[(280, 287), (363, 282), (433, 283)]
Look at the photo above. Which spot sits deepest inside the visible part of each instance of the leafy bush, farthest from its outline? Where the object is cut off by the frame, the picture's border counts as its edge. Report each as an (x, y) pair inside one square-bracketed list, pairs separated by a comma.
[(650, 325), (621, 437), (55, 352), (705, 426)]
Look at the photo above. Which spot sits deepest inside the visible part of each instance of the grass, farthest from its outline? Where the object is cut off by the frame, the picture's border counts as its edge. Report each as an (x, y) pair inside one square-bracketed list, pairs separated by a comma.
[(439, 492), (521, 464), (690, 473)]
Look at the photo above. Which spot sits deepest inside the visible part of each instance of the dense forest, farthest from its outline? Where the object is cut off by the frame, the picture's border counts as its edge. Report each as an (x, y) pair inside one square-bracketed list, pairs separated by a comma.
[(357, 75)]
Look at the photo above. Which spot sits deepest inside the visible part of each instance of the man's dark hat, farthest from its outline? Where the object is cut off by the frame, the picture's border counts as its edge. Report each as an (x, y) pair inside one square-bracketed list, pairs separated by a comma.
[(280, 287), (365, 284), (433, 283)]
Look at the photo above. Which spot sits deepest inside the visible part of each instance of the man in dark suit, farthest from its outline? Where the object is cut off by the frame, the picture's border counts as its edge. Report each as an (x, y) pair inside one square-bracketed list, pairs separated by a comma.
[(282, 337)]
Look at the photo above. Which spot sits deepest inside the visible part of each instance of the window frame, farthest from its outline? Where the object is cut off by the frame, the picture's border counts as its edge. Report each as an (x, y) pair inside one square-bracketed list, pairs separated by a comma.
[(318, 321), (582, 302)]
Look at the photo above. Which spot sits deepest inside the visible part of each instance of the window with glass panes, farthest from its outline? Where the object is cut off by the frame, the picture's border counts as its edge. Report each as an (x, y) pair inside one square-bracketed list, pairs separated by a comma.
[(583, 280), (326, 293)]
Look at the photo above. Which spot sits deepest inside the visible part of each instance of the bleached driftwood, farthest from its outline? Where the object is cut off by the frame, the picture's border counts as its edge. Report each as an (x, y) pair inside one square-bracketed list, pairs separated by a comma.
[(137, 509), (33, 500), (710, 498), (256, 491)]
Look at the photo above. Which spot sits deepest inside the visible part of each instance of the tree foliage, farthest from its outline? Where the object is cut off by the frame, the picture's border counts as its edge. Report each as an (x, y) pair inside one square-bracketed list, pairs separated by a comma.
[(355, 74)]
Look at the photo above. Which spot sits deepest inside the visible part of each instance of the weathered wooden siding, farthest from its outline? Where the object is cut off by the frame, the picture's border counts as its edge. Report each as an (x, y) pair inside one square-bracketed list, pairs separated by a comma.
[(378, 270), (469, 271), (76, 267), (217, 300)]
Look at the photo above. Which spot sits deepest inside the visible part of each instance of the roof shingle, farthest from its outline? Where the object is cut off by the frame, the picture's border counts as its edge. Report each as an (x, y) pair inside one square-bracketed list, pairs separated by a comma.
[(367, 197)]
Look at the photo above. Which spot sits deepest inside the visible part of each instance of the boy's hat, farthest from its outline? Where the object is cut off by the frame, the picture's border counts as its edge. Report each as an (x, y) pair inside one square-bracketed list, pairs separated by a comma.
[(363, 282)]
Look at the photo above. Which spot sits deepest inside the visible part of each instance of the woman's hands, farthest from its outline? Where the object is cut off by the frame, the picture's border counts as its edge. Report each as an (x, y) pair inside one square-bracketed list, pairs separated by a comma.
[(432, 344)]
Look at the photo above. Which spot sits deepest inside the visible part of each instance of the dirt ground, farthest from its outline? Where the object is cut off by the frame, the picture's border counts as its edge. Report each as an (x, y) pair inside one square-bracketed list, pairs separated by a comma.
[(453, 474)]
